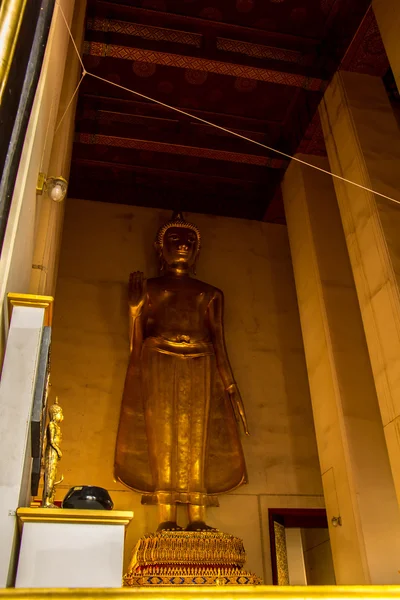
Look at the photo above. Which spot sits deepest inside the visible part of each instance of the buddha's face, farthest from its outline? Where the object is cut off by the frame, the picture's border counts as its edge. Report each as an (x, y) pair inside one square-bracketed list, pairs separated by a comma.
[(180, 246), (58, 416)]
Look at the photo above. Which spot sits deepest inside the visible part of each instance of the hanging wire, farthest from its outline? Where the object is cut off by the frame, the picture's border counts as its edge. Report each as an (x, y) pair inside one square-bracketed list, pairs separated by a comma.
[(71, 36), (84, 72), (226, 130), (70, 102)]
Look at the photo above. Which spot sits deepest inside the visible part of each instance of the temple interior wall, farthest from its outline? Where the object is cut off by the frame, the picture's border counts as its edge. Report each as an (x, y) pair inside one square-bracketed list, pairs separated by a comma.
[(250, 261)]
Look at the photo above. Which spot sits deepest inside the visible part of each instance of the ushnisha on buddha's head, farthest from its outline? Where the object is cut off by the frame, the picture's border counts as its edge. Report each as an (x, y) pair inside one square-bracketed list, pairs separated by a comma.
[(178, 244)]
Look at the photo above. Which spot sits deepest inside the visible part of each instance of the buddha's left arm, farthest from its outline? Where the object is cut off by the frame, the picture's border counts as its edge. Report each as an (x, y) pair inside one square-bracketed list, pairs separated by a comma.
[(52, 429), (216, 321)]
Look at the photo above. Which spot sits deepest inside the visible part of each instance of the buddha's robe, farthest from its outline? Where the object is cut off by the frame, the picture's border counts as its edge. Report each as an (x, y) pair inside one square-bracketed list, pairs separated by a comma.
[(178, 439)]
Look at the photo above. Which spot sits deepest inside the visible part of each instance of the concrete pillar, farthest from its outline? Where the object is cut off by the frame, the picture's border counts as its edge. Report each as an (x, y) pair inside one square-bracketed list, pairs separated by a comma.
[(363, 144), (51, 215), (357, 481), (25, 218), (17, 387), (387, 13)]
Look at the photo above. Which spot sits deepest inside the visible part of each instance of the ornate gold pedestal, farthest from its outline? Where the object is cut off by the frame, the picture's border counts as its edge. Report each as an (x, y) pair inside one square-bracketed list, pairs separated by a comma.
[(189, 558)]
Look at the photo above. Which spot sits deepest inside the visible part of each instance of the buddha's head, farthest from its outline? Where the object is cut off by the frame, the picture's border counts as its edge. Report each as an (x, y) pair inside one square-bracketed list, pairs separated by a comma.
[(56, 413), (178, 244)]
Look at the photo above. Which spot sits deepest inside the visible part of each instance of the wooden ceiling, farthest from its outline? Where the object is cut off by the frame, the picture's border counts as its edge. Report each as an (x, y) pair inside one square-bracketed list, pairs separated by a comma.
[(258, 67)]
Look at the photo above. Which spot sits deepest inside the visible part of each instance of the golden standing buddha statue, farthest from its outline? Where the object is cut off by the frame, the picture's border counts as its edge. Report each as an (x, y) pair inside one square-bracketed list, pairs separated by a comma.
[(178, 439), (52, 454)]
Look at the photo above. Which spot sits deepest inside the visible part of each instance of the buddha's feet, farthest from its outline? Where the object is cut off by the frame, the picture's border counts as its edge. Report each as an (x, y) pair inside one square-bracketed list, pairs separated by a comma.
[(169, 526), (199, 526)]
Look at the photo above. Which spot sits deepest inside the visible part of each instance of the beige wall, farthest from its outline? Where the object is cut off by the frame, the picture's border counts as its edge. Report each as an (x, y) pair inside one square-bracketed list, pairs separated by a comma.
[(318, 556), (250, 262)]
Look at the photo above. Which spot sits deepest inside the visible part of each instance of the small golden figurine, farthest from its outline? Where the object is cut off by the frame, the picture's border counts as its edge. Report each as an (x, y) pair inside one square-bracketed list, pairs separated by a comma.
[(52, 454)]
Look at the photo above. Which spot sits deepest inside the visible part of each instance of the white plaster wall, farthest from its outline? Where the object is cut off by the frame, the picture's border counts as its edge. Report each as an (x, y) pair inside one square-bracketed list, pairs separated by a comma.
[(50, 556), (250, 262)]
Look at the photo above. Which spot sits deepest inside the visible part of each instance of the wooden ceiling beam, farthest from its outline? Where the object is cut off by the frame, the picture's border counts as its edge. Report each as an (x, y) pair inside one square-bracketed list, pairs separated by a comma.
[(155, 173), (142, 155), (94, 121), (171, 147), (89, 101)]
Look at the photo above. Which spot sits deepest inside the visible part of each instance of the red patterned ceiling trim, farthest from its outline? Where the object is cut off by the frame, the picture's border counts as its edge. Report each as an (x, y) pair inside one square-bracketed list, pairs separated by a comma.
[(367, 53), (259, 51), (120, 142), (202, 64), (146, 32), (313, 141), (204, 26)]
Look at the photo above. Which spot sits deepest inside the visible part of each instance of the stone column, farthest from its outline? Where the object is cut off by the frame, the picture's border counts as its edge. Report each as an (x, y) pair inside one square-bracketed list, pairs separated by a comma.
[(50, 219), (16, 397), (387, 13), (363, 144), (355, 468), (26, 221)]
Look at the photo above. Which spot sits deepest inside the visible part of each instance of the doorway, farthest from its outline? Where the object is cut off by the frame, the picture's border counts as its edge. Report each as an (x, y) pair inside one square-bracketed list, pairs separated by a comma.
[(300, 547)]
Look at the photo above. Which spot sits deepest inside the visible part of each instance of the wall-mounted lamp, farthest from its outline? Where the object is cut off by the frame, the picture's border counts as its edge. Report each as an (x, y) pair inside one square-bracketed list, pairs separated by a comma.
[(54, 187)]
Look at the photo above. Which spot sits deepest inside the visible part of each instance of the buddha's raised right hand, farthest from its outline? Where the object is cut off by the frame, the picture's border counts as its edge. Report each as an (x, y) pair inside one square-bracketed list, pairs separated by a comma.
[(137, 290)]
